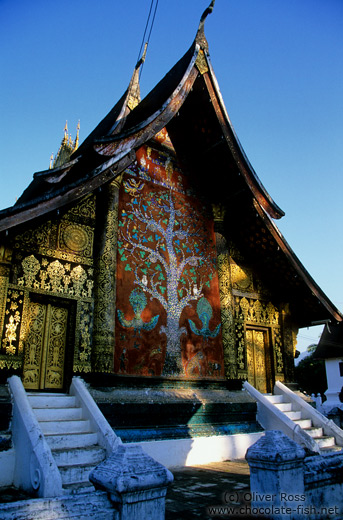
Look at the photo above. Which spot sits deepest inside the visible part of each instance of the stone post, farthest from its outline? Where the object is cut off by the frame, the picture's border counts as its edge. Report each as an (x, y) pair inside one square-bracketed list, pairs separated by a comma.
[(277, 476), (136, 483)]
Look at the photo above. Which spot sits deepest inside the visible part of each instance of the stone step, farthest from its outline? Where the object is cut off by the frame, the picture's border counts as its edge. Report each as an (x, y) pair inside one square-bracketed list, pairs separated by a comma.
[(87, 455), (75, 440), (57, 414), (52, 400), (325, 441), (65, 427), (314, 432), (91, 506), (330, 449), (274, 398), (284, 407), (293, 415), (76, 473), (304, 423)]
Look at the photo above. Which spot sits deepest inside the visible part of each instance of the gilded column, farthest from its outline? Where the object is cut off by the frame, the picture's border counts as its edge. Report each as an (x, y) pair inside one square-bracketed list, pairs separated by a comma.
[(105, 278), (226, 298), (289, 336), (5, 263)]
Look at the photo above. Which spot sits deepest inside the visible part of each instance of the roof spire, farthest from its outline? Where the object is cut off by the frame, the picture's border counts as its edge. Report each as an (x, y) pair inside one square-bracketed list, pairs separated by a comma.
[(134, 93), (76, 143), (65, 139), (200, 37)]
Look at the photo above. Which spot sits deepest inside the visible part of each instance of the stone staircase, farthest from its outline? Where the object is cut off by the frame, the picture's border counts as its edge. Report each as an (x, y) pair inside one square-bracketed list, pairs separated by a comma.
[(326, 443), (290, 413), (73, 443)]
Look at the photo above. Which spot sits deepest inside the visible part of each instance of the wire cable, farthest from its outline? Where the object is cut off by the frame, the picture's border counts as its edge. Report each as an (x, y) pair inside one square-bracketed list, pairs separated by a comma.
[(145, 31)]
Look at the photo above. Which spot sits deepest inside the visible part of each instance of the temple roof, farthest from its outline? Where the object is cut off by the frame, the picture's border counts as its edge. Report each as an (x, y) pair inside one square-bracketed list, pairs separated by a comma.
[(187, 102), (330, 345)]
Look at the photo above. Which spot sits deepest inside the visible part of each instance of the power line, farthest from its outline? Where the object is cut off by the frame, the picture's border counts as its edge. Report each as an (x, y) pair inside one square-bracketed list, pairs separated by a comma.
[(146, 29)]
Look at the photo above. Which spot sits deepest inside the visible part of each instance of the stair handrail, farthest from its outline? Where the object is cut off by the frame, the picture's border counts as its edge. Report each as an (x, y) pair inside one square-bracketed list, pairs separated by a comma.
[(106, 436), (309, 412), (271, 418), (35, 471)]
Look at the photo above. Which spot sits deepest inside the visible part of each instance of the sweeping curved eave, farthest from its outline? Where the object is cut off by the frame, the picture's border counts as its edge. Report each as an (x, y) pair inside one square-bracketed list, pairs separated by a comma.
[(246, 169), (13, 217), (297, 265), (156, 109)]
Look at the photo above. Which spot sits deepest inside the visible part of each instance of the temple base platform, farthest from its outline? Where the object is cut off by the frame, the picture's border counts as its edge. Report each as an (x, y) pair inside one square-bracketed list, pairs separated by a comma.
[(178, 422)]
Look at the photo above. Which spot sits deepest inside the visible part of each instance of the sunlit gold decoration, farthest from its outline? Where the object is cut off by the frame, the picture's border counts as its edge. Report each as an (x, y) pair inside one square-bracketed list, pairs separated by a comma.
[(241, 277), (45, 347), (56, 272), (75, 237), (57, 277), (201, 62), (84, 209), (11, 333), (256, 359), (12, 320), (82, 354), (278, 351), (31, 267), (105, 282), (226, 307), (3, 297), (250, 311)]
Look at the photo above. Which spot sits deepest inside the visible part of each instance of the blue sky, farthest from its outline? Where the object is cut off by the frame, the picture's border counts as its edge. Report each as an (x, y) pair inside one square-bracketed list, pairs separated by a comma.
[(279, 64)]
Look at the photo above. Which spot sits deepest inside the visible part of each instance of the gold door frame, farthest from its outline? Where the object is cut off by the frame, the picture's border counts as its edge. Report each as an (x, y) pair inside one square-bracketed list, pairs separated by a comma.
[(48, 352), (259, 358)]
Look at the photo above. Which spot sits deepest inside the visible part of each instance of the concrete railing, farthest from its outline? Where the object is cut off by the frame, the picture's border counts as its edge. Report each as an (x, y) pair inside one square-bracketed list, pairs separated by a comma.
[(271, 418), (35, 469), (308, 412), (107, 439)]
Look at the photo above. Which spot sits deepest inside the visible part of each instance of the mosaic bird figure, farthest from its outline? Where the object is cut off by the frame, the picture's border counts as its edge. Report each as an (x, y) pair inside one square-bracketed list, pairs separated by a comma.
[(205, 314), (138, 302)]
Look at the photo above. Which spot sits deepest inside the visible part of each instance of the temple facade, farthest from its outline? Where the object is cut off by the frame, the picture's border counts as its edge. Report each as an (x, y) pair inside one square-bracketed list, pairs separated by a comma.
[(151, 250)]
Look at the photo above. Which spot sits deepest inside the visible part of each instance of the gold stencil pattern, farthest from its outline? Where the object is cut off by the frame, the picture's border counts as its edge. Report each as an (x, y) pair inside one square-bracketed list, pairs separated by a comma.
[(56, 277), (227, 317), (256, 359), (45, 346)]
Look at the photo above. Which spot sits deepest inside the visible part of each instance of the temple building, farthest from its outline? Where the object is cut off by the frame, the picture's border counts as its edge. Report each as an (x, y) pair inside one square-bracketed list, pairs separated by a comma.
[(151, 251)]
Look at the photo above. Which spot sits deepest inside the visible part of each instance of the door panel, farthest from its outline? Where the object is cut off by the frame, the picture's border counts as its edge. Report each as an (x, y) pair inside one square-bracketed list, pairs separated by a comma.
[(45, 346), (256, 359)]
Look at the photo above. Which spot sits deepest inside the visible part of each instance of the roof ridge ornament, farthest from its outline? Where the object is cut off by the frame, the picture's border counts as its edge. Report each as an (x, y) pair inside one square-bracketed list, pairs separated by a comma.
[(134, 93), (200, 37)]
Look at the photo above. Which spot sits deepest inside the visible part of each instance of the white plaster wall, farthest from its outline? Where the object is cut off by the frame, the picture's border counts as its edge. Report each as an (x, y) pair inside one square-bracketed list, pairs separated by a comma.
[(335, 384), (7, 462), (199, 450)]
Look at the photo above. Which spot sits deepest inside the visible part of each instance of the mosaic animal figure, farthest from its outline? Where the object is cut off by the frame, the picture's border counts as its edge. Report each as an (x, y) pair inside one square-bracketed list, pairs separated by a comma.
[(205, 314), (138, 302)]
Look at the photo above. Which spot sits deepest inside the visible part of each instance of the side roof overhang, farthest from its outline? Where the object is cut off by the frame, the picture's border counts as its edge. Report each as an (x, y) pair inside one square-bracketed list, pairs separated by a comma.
[(330, 345)]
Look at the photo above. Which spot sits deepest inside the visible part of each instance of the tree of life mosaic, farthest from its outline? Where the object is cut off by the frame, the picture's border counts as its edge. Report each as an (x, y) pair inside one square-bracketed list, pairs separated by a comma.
[(168, 311)]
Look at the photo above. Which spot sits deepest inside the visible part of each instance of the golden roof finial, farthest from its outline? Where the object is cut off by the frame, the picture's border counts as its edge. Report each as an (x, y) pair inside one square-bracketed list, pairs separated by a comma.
[(144, 52), (51, 159), (76, 145), (66, 132)]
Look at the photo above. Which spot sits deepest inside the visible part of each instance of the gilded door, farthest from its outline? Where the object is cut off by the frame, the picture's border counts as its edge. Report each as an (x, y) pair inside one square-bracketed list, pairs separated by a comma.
[(256, 359), (45, 347)]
